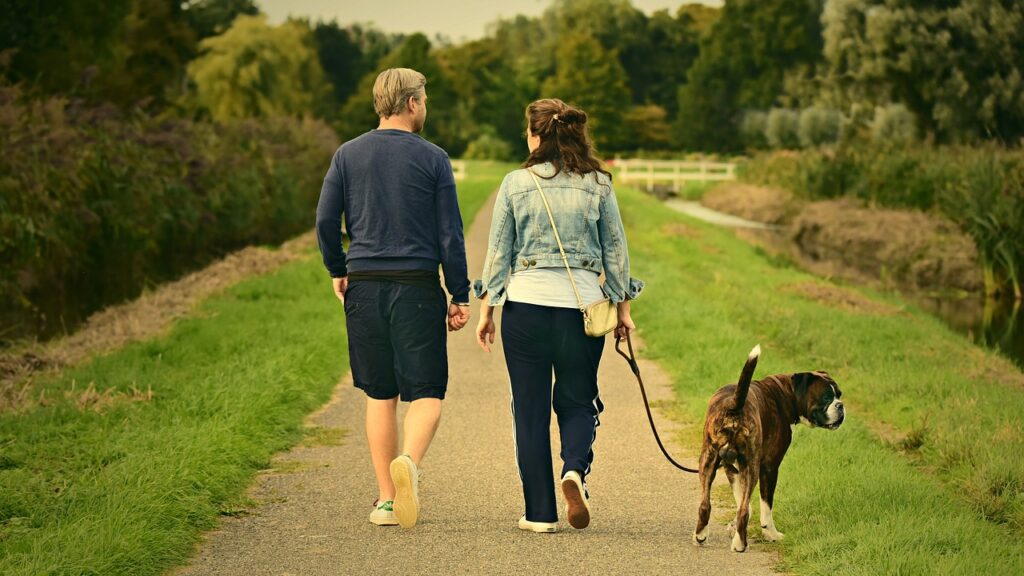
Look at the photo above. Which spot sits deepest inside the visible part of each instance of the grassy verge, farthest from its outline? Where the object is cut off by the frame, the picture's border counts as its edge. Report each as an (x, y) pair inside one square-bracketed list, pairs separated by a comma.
[(696, 190), (923, 478), (482, 178), (135, 453), (126, 459)]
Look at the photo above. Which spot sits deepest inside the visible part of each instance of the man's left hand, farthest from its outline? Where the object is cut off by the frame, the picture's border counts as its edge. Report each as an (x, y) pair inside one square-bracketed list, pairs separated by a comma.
[(458, 317), (340, 286)]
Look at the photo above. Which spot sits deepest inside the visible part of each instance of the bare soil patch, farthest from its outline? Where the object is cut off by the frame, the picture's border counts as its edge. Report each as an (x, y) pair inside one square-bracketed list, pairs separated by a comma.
[(841, 298), (906, 248), (757, 203), (681, 230), (137, 320)]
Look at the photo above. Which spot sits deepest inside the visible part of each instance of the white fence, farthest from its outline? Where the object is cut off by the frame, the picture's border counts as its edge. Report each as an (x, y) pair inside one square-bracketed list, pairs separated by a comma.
[(459, 169), (674, 172)]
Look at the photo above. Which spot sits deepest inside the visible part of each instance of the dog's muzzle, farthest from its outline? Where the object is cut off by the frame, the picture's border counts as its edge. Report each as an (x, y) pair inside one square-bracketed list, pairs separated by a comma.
[(836, 414)]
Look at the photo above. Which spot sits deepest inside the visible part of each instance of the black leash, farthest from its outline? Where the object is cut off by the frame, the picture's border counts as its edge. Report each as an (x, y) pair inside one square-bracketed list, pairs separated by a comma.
[(636, 372)]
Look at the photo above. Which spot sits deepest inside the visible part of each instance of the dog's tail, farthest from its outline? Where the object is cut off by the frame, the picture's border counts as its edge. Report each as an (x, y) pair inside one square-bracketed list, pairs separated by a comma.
[(745, 377)]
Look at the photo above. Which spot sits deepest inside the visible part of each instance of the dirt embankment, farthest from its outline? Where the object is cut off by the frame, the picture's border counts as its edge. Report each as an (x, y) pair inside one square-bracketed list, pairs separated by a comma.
[(137, 320), (846, 239)]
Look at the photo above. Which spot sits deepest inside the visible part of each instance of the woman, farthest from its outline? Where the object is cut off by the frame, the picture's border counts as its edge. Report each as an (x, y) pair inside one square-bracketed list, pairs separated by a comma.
[(542, 327)]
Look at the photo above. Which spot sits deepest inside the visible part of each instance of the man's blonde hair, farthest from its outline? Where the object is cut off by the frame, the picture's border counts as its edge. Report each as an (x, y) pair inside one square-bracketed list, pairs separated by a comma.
[(394, 87)]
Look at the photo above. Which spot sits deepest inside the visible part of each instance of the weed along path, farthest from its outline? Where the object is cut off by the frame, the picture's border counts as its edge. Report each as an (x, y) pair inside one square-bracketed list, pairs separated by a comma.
[(309, 515)]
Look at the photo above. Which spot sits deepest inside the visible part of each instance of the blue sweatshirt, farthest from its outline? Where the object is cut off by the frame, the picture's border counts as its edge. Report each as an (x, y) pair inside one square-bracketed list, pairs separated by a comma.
[(397, 194)]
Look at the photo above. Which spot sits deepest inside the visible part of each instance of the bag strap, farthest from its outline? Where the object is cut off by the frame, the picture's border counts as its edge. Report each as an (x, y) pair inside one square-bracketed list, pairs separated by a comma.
[(561, 250), (631, 359)]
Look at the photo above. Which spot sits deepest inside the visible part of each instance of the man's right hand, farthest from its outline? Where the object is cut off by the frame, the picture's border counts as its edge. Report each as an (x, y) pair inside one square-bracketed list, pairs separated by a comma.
[(340, 286)]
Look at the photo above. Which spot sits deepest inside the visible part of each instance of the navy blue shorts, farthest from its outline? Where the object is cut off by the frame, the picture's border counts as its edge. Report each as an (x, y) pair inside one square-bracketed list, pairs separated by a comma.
[(397, 339)]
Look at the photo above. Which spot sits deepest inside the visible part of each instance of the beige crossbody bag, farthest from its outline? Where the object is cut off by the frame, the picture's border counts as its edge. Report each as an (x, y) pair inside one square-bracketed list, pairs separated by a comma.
[(600, 317)]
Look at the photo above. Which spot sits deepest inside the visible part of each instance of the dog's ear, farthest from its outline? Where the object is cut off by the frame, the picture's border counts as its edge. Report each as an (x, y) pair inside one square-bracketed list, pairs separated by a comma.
[(802, 381)]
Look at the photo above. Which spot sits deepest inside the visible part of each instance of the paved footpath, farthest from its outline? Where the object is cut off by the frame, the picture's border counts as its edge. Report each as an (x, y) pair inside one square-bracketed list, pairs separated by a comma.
[(313, 520)]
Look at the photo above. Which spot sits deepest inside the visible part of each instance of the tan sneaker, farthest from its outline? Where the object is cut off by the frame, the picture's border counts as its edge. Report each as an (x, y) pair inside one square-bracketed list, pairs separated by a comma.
[(383, 514), (540, 527), (407, 501), (577, 501)]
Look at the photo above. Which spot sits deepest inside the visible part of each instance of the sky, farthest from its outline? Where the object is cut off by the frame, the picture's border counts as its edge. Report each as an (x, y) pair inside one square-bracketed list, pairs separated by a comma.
[(457, 19)]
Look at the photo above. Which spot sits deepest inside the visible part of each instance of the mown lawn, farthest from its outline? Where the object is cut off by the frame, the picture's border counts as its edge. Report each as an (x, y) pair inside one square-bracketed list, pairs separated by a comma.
[(924, 478), (128, 458), (124, 485)]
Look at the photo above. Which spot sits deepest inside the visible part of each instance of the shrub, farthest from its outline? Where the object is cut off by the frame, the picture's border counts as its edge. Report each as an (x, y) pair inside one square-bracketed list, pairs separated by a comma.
[(781, 128), (94, 204), (819, 126), (752, 129), (488, 146), (893, 125)]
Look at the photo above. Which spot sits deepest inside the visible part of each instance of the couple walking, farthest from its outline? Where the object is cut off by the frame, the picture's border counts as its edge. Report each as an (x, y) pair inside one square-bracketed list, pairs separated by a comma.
[(396, 193)]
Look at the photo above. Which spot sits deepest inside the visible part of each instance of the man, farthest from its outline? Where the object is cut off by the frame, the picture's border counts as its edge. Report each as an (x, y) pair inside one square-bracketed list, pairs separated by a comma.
[(397, 194)]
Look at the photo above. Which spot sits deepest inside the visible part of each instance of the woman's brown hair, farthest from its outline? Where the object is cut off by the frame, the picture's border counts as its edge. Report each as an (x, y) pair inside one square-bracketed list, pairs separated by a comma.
[(564, 140)]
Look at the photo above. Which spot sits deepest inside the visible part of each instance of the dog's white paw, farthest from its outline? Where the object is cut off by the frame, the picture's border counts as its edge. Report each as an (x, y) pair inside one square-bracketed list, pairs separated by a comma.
[(772, 535), (737, 543), (700, 538)]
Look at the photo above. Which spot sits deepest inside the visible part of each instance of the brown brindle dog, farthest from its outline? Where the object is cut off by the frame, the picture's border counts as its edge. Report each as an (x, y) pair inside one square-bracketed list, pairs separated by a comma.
[(747, 431)]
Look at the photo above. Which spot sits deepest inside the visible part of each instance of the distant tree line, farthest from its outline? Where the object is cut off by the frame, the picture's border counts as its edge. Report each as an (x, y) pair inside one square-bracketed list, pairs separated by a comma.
[(753, 74)]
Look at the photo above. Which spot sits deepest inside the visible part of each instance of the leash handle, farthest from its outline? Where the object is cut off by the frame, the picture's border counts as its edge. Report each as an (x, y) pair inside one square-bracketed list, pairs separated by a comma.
[(631, 359)]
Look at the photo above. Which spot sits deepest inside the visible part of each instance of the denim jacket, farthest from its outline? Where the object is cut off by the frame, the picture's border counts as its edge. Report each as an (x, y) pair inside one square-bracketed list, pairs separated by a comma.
[(589, 224)]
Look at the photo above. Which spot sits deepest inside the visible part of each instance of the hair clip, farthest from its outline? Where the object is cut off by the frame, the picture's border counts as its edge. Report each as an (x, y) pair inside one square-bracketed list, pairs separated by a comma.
[(555, 117)]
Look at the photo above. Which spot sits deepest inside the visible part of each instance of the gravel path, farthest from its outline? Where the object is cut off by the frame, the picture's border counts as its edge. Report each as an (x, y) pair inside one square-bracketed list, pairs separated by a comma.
[(312, 519), (701, 212)]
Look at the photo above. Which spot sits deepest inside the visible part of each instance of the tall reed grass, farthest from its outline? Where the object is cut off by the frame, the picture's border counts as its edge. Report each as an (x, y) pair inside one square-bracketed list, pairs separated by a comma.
[(981, 189)]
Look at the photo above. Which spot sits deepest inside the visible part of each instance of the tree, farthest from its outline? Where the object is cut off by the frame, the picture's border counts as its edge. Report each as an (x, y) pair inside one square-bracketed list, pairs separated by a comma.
[(618, 26), (489, 89), (62, 43), (958, 65), (212, 17), (341, 59), (744, 64), (698, 17), (443, 114), (129, 52), (819, 126), (254, 69), (149, 62), (646, 128), (672, 46), (588, 76)]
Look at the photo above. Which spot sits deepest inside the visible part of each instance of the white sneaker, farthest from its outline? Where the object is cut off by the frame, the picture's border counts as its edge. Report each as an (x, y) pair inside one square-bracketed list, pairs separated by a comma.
[(383, 514), (577, 501), (540, 527), (407, 501)]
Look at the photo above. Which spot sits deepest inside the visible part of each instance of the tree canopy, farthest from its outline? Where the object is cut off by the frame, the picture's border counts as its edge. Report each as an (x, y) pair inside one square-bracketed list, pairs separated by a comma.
[(257, 70), (701, 78)]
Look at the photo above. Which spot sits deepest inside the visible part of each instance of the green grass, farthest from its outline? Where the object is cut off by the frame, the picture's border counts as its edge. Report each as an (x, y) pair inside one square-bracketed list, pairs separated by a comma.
[(126, 489), (696, 190), (849, 502), (482, 178), (102, 478)]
